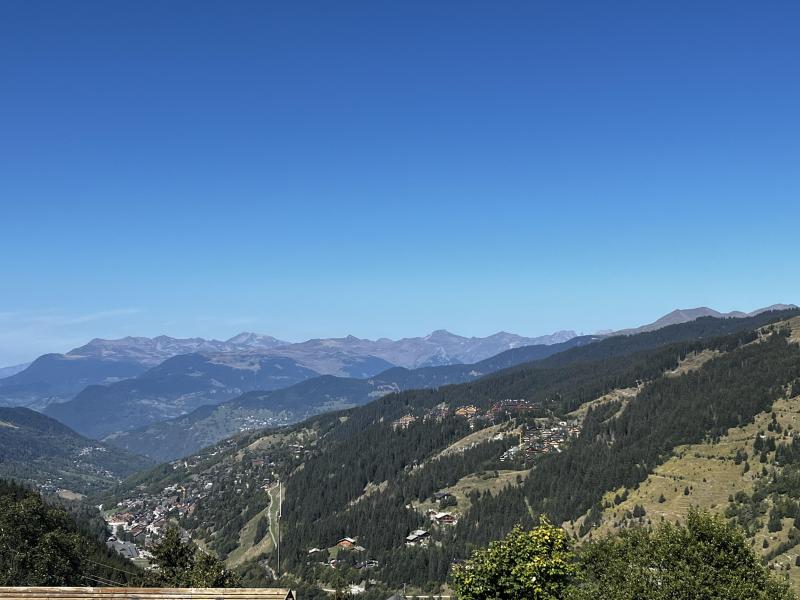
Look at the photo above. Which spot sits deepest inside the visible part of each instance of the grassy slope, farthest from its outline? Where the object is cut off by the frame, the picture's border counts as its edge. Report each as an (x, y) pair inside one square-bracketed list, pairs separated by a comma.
[(249, 550), (476, 482), (710, 472)]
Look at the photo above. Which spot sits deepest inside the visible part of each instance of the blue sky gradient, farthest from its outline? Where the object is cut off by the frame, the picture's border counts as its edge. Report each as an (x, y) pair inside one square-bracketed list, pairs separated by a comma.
[(314, 169)]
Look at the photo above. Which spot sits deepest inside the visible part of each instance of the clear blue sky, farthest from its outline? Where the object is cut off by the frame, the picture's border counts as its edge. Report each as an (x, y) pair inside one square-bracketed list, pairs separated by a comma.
[(380, 168)]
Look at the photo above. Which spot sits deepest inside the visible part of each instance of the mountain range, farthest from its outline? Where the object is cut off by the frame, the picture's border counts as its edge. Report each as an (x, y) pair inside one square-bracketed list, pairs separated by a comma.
[(108, 387), (54, 378), (438, 348), (152, 351), (169, 439)]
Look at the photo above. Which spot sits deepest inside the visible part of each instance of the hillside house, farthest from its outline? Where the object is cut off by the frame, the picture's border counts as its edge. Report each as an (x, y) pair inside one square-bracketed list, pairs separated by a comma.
[(139, 534), (438, 412), (444, 518), (126, 549), (367, 564), (469, 412), (404, 421), (418, 537), (346, 542)]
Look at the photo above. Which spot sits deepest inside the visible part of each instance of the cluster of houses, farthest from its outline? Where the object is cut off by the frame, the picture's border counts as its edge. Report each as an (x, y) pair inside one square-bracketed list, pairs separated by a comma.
[(503, 408), (543, 438), (142, 519), (421, 537), (83, 462), (251, 422), (438, 413), (513, 407)]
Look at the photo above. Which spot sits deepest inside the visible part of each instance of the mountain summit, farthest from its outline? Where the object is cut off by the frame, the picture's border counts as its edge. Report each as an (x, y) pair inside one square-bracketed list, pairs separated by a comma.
[(255, 340), (685, 315)]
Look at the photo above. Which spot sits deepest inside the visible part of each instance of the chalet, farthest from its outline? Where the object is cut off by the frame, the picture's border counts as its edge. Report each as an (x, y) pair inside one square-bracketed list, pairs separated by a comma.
[(157, 525), (346, 542), (439, 496), (367, 564), (356, 589), (418, 537), (438, 412), (444, 518), (404, 422), (469, 412), (139, 533), (126, 549)]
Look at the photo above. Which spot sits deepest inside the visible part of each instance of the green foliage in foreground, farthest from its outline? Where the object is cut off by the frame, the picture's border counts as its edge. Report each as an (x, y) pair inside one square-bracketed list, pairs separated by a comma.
[(183, 564), (531, 565), (44, 545), (705, 559), (41, 544)]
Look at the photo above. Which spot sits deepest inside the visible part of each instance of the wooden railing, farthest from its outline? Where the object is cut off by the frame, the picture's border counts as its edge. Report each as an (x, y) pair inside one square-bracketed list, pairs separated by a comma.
[(109, 593)]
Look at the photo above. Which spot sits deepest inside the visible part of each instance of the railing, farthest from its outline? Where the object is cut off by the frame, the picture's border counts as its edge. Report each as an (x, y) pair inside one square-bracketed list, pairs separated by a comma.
[(121, 593)]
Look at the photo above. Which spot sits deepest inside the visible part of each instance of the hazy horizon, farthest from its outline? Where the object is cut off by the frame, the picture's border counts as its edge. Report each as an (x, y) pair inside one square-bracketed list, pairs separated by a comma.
[(82, 320)]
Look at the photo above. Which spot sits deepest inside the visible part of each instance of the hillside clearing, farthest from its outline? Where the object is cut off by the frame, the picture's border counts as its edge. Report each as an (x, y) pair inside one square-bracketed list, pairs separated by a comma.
[(710, 474)]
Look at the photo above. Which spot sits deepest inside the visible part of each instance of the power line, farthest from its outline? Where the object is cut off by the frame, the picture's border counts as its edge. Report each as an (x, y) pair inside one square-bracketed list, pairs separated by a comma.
[(106, 581), (110, 567), (103, 581)]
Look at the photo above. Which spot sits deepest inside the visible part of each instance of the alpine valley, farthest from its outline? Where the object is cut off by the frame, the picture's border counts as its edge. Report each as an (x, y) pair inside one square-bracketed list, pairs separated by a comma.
[(377, 467)]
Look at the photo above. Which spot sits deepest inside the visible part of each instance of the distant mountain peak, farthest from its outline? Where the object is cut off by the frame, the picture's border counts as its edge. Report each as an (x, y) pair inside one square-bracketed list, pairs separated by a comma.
[(251, 339), (441, 333), (684, 315)]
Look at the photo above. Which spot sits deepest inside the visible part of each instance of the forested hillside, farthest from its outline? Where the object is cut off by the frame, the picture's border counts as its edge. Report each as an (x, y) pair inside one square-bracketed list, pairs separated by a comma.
[(42, 452), (491, 453), (609, 453), (745, 473)]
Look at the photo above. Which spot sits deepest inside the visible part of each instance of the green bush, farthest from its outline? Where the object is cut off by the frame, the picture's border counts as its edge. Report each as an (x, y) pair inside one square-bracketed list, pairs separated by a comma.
[(526, 565), (706, 559)]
